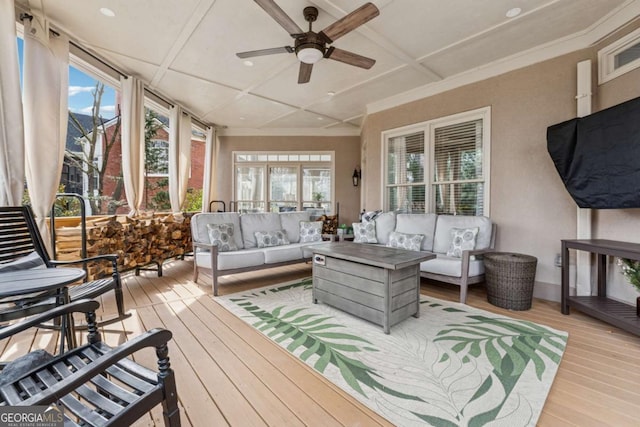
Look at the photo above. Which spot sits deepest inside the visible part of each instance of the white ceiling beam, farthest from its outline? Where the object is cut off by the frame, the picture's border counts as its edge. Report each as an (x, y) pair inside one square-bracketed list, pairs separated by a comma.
[(380, 41), (198, 14)]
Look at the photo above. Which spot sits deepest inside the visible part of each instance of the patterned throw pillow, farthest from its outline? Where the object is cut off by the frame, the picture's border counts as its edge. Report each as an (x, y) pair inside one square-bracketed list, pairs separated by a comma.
[(410, 242), (329, 224), (221, 235), (266, 239), (462, 239), (310, 231), (364, 232)]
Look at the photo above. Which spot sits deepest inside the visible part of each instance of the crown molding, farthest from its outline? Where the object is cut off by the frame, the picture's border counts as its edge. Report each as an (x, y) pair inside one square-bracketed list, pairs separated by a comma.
[(577, 41), (355, 131)]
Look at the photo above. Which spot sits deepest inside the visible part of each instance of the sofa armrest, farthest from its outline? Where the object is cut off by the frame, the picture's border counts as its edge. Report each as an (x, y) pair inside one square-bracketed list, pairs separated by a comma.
[(466, 260), (202, 245), (473, 252)]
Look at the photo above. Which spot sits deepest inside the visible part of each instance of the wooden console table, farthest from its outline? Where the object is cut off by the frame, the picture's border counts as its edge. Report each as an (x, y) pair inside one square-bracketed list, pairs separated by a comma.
[(616, 313)]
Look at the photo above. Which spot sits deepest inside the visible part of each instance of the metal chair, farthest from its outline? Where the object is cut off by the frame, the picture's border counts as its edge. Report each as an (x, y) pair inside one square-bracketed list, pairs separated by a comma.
[(95, 384), (20, 238)]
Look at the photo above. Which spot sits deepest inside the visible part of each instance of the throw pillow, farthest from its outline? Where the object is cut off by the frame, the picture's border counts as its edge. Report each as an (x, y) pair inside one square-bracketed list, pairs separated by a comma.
[(310, 231), (221, 235), (27, 262), (329, 224), (266, 239), (23, 364), (410, 242), (364, 232), (462, 239)]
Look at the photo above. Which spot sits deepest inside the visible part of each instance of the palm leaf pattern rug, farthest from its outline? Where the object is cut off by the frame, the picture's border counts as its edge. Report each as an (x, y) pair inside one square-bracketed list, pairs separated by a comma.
[(453, 366)]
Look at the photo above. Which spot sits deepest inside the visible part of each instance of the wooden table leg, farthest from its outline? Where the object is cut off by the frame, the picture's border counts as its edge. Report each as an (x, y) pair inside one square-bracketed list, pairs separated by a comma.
[(564, 297)]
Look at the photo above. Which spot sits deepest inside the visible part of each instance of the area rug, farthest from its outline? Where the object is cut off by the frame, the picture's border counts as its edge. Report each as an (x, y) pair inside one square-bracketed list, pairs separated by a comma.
[(453, 366)]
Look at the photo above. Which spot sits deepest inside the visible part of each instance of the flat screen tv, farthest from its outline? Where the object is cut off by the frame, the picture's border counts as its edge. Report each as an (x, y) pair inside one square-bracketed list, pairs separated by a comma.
[(598, 157)]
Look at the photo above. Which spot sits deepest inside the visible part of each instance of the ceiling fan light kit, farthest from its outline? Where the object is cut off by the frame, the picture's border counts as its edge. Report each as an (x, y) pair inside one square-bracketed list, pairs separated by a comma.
[(309, 55), (310, 47)]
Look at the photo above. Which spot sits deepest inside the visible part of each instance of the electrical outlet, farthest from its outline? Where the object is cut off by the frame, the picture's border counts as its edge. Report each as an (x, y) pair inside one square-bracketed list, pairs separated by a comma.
[(558, 260)]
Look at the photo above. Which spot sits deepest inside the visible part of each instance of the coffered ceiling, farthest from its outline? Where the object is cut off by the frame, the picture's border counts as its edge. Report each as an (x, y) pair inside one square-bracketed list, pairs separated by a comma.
[(185, 50)]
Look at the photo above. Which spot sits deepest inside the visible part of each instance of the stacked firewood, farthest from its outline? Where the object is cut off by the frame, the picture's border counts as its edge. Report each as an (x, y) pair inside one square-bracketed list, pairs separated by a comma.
[(137, 241)]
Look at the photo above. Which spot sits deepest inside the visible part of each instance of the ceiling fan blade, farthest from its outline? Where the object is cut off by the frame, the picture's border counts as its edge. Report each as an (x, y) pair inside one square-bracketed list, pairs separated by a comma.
[(349, 58), (261, 52), (278, 14), (304, 75), (342, 26)]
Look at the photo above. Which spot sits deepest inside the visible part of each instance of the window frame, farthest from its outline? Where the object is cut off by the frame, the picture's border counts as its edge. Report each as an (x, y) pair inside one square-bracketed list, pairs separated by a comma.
[(156, 174), (606, 58), (300, 165), (428, 128)]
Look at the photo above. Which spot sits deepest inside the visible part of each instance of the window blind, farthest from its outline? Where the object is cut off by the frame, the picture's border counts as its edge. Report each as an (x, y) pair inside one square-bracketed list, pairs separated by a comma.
[(457, 168), (405, 159)]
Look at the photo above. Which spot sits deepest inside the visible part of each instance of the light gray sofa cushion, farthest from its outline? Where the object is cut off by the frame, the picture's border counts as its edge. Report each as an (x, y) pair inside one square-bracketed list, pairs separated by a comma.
[(283, 253), (291, 223), (230, 260), (444, 224), (199, 222), (451, 266), (250, 223), (385, 224), (418, 224)]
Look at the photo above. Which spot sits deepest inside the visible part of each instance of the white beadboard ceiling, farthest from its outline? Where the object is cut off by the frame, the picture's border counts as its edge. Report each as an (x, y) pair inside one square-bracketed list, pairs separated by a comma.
[(185, 50)]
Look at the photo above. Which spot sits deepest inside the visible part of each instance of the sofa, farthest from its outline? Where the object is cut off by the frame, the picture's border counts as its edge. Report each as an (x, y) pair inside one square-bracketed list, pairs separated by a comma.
[(229, 242), (458, 263)]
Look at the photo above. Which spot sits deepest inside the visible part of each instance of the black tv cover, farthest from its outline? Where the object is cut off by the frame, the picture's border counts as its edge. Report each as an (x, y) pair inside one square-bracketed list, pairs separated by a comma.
[(598, 157)]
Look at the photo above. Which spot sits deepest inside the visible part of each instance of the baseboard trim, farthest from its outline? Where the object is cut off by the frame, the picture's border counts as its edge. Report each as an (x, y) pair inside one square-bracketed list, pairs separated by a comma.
[(550, 291)]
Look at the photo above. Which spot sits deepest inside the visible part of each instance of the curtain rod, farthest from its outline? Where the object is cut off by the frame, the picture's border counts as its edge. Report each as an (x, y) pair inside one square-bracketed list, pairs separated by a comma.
[(147, 90), (25, 15)]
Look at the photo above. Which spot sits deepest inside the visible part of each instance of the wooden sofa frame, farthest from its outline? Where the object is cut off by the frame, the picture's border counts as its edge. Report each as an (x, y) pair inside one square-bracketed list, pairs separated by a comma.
[(464, 280), (215, 273)]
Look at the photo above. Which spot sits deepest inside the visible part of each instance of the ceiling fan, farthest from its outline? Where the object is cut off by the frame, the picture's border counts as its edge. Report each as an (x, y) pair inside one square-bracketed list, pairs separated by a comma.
[(310, 46)]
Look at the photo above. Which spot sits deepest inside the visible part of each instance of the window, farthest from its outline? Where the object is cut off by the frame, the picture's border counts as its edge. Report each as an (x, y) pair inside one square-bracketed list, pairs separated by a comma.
[(277, 182), (439, 166), (157, 158), (619, 57)]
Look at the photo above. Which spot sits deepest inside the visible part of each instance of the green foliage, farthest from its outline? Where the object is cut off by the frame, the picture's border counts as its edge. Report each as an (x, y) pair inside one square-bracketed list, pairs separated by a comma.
[(154, 157), (160, 201), (631, 270), (62, 206), (193, 201)]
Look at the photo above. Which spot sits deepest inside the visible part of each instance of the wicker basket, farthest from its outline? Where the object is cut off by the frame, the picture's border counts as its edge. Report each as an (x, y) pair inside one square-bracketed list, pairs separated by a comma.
[(509, 278)]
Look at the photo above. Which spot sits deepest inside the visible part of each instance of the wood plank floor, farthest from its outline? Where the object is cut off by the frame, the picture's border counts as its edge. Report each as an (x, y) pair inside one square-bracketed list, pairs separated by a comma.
[(230, 375)]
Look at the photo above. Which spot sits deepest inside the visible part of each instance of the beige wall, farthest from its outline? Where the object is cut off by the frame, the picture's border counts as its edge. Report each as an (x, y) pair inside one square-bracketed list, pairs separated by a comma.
[(347, 156), (617, 224), (528, 200)]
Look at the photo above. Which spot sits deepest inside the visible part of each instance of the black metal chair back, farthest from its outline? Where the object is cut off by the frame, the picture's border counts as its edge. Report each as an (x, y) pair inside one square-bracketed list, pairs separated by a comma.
[(19, 237)]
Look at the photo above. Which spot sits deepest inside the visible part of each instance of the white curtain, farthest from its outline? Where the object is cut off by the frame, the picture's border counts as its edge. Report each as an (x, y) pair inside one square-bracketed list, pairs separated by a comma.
[(209, 189), (45, 99), (11, 124), (179, 156), (133, 141)]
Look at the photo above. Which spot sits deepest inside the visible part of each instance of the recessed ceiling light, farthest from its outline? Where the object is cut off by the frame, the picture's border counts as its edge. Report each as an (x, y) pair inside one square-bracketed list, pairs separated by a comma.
[(331, 93), (512, 13), (248, 63), (241, 118), (107, 12), (320, 118)]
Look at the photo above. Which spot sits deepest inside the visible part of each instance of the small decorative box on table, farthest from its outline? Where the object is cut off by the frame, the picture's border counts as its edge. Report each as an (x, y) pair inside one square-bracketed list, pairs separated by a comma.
[(510, 278)]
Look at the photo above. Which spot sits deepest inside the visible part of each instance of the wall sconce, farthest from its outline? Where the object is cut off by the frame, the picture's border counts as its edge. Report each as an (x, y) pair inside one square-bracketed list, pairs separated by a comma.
[(357, 175)]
